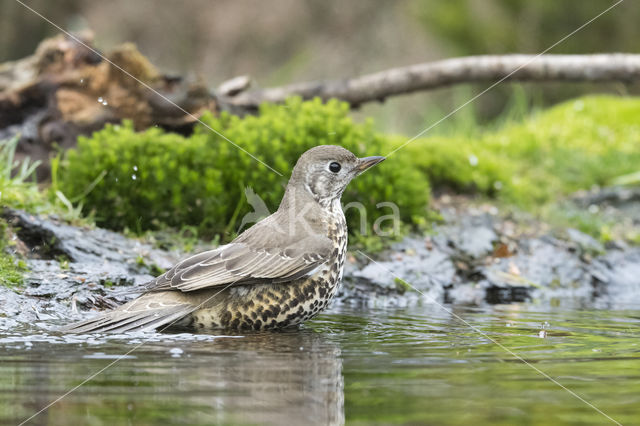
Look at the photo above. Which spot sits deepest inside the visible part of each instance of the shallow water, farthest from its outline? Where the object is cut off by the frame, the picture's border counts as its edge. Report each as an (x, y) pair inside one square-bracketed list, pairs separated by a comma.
[(406, 366)]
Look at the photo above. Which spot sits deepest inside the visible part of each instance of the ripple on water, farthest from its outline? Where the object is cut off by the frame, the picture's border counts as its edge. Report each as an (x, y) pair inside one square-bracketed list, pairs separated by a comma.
[(413, 365)]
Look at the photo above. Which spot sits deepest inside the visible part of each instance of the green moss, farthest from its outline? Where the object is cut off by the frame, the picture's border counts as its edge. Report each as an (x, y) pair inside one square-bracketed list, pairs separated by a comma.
[(63, 261), (536, 163), (634, 237), (108, 283), (17, 188), (402, 286), (155, 179), (11, 273), (11, 269), (575, 145), (153, 269)]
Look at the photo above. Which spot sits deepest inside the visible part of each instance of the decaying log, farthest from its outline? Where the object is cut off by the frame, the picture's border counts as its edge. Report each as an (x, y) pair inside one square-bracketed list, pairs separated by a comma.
[(65, 89), (433, 75)]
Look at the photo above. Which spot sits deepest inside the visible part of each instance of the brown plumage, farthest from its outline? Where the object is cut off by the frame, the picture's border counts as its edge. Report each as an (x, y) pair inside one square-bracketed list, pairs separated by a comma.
[(280, 272)]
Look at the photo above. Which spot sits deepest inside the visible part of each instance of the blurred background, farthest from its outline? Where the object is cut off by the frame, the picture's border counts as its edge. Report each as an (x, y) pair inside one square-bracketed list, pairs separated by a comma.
[(285, 41)]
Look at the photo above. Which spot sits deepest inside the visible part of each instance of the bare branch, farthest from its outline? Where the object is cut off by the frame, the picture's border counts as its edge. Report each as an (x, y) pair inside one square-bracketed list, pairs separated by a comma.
[(433, 75)]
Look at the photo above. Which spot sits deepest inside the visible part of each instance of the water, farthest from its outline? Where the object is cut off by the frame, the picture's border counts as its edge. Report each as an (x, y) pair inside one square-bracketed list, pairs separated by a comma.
[(404, 366)]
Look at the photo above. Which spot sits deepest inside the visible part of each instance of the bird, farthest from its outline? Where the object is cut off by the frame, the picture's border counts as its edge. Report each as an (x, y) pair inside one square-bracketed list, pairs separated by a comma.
[(279, 273)]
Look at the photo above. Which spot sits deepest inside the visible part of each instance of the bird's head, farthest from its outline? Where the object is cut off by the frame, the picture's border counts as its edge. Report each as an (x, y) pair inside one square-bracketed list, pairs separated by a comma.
[(326, 170)]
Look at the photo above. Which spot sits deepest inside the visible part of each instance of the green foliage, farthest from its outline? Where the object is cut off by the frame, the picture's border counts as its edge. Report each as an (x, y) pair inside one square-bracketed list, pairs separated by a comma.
[(11, 270), (16, 187), (575, 145), (402, 286), (493, 27), (17, 190), (631, 179), (507, 26), (153, 179)]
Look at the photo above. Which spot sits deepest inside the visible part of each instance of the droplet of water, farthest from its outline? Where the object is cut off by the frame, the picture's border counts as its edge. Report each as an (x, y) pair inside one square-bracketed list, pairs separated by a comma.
[(134, 177), (100, 99), (135, 168), (473, 160)]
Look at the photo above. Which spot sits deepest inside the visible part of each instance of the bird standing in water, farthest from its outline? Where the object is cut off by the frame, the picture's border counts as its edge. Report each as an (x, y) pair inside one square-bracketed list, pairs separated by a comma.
[(280, 272)]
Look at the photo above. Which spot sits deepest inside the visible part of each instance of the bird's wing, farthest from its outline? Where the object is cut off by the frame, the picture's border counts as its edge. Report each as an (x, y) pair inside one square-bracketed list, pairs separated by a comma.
[(246, 262)]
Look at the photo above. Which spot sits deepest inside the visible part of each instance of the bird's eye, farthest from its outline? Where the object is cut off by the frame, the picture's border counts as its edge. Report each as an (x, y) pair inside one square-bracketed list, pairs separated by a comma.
[(335, 167)]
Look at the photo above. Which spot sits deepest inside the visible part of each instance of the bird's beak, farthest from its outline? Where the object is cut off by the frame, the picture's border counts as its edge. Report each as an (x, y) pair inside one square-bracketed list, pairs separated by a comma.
[(366, 162)]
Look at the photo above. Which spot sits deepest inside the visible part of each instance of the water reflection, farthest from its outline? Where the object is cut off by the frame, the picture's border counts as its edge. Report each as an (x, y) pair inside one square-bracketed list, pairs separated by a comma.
[(295, 378), (419, 365), (273, 378)]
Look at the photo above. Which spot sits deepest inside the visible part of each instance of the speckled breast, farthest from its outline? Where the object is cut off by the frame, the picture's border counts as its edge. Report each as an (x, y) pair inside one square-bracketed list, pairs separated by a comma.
[(269, 306)]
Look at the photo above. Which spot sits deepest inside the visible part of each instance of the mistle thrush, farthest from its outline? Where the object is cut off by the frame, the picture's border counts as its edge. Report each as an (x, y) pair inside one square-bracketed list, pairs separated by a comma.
[(280, 272)]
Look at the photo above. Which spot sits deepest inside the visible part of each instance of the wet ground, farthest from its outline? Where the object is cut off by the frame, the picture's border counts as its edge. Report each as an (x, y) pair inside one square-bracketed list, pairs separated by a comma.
[(370, 365), (475, 256)]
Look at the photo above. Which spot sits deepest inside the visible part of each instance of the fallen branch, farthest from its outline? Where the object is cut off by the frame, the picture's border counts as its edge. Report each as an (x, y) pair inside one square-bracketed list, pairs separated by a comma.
[(433, 75)]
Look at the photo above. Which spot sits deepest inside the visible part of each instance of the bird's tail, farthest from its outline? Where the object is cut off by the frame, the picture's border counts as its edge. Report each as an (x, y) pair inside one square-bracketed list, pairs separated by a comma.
[(146, 313)]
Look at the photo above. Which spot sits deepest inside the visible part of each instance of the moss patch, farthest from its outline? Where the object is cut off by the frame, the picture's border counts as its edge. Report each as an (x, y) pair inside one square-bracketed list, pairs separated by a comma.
[(11, 269), (153, 179), (575, 145), (17, 188)]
